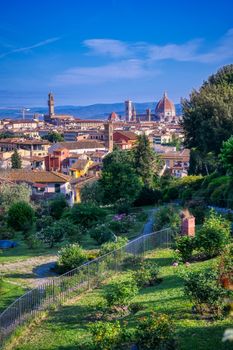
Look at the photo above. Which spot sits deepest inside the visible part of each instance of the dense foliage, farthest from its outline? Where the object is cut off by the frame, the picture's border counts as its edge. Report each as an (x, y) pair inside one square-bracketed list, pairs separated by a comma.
[(156, 332), (16, 162), (12, 193), (208, 119), (146, 161), (21, 216), (205, 291), (54, 136), (184, 246), (167, 217), (119, 181), (214, 235), (120, 293), (70, 257)]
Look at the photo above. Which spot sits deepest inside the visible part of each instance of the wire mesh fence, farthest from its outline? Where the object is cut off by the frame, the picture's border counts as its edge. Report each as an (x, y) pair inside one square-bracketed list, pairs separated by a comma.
[(57, 290)]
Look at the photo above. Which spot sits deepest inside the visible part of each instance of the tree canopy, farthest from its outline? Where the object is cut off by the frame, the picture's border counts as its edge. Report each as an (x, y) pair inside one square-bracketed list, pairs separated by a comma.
[(226, 154), (119, 181), (53, 136), (16, 162), (146, 161), (208, 118)]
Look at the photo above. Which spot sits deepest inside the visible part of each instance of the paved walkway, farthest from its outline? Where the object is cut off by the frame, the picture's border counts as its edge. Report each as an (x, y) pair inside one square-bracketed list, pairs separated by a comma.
[(148, 227)]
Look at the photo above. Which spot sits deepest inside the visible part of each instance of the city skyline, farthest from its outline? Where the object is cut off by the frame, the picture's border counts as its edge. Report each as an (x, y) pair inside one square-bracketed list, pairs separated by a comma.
[(110, 51)]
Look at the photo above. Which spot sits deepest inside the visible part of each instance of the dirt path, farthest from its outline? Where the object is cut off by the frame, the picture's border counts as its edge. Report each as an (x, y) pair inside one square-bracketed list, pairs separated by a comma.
[(30, 272)]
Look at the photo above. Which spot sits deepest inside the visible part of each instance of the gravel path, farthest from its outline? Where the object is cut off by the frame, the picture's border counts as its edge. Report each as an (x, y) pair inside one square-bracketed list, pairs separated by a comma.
[(31, 272)]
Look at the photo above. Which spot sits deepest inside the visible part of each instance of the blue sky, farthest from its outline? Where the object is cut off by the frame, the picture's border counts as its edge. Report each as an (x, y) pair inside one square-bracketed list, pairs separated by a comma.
[(97, 51)]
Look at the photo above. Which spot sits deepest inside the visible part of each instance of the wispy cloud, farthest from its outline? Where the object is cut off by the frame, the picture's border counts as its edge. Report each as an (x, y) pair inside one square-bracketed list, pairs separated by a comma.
[(190, 51), (137, 60), (28, 48), (183, 52), (115, 48), (126, 69)]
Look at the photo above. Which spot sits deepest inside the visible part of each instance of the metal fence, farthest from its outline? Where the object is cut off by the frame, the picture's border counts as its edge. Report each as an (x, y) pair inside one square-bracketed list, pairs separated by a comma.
[(55, 291)]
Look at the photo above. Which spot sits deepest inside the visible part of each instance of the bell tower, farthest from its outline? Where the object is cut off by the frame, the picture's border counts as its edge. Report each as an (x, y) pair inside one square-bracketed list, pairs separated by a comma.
[(51, 104), (108, 133)]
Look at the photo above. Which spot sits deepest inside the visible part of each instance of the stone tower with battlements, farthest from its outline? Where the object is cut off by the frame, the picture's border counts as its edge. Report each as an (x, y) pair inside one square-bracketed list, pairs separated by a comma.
[(108, 133), (51, 104)]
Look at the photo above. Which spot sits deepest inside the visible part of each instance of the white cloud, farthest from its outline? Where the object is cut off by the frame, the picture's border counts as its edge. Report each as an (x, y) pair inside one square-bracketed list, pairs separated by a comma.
[(28, 48), (183, 52), (115, 48), (126, 69), (139, 59)]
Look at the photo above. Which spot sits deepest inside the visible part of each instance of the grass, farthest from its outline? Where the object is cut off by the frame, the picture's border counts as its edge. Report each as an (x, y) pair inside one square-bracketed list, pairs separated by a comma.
[(67, 328), (8, 293)]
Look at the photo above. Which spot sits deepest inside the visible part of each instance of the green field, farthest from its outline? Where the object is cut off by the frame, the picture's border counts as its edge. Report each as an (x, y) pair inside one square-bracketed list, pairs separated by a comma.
[(67, 328)]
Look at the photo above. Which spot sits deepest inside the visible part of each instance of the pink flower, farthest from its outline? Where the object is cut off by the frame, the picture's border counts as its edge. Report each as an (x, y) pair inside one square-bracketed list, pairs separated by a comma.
[(187, 264), (175, 264)]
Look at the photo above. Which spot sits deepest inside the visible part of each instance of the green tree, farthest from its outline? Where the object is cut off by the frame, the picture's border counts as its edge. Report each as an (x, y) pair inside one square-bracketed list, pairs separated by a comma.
[(91, 193), (21, 216), (226, 154), (86, 215), (12, 193), (146, 161), (57, 206), (119, 181), (16, 162), (208, 115), (58, 232), (53, 136)]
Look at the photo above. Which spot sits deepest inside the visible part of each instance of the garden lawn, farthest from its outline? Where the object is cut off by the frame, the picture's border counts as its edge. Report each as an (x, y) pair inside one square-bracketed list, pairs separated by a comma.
[(67, 328), (8, 293)]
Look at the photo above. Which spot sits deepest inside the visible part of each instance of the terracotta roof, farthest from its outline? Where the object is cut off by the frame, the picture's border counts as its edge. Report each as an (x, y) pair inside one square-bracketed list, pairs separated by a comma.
[(32, 176), (83, 144), (128, 134), (80, 164)]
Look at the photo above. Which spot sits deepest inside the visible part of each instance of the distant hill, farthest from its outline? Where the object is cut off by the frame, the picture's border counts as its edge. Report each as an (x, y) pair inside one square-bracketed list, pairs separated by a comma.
[(95, 111)]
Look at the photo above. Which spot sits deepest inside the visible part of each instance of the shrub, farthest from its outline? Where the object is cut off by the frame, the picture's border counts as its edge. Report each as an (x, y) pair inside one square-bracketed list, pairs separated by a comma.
[(106, 335), (167, 217), (86, 215), (70, 257), (57, 206), (120, 293), (13, 193), (33, 242), (197, 209), (184, 246), (156, 332), (122, 207), (21, 216), (102, 233), (148, 196), (146, 275), (205, 291), (110, 246), (214, 235), (133, 261), (225, 267), (58, 232), (43, 222)]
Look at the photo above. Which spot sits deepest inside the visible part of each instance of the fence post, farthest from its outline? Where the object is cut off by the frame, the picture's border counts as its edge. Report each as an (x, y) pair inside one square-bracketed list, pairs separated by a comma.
[(88, 277)]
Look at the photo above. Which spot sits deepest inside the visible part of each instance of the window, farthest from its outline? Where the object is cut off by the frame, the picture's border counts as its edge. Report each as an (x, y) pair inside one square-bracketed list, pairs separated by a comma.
[(57, 188)]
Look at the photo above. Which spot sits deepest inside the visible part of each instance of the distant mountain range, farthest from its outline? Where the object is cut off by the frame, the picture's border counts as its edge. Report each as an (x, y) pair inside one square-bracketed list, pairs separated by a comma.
[(95, 111)]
